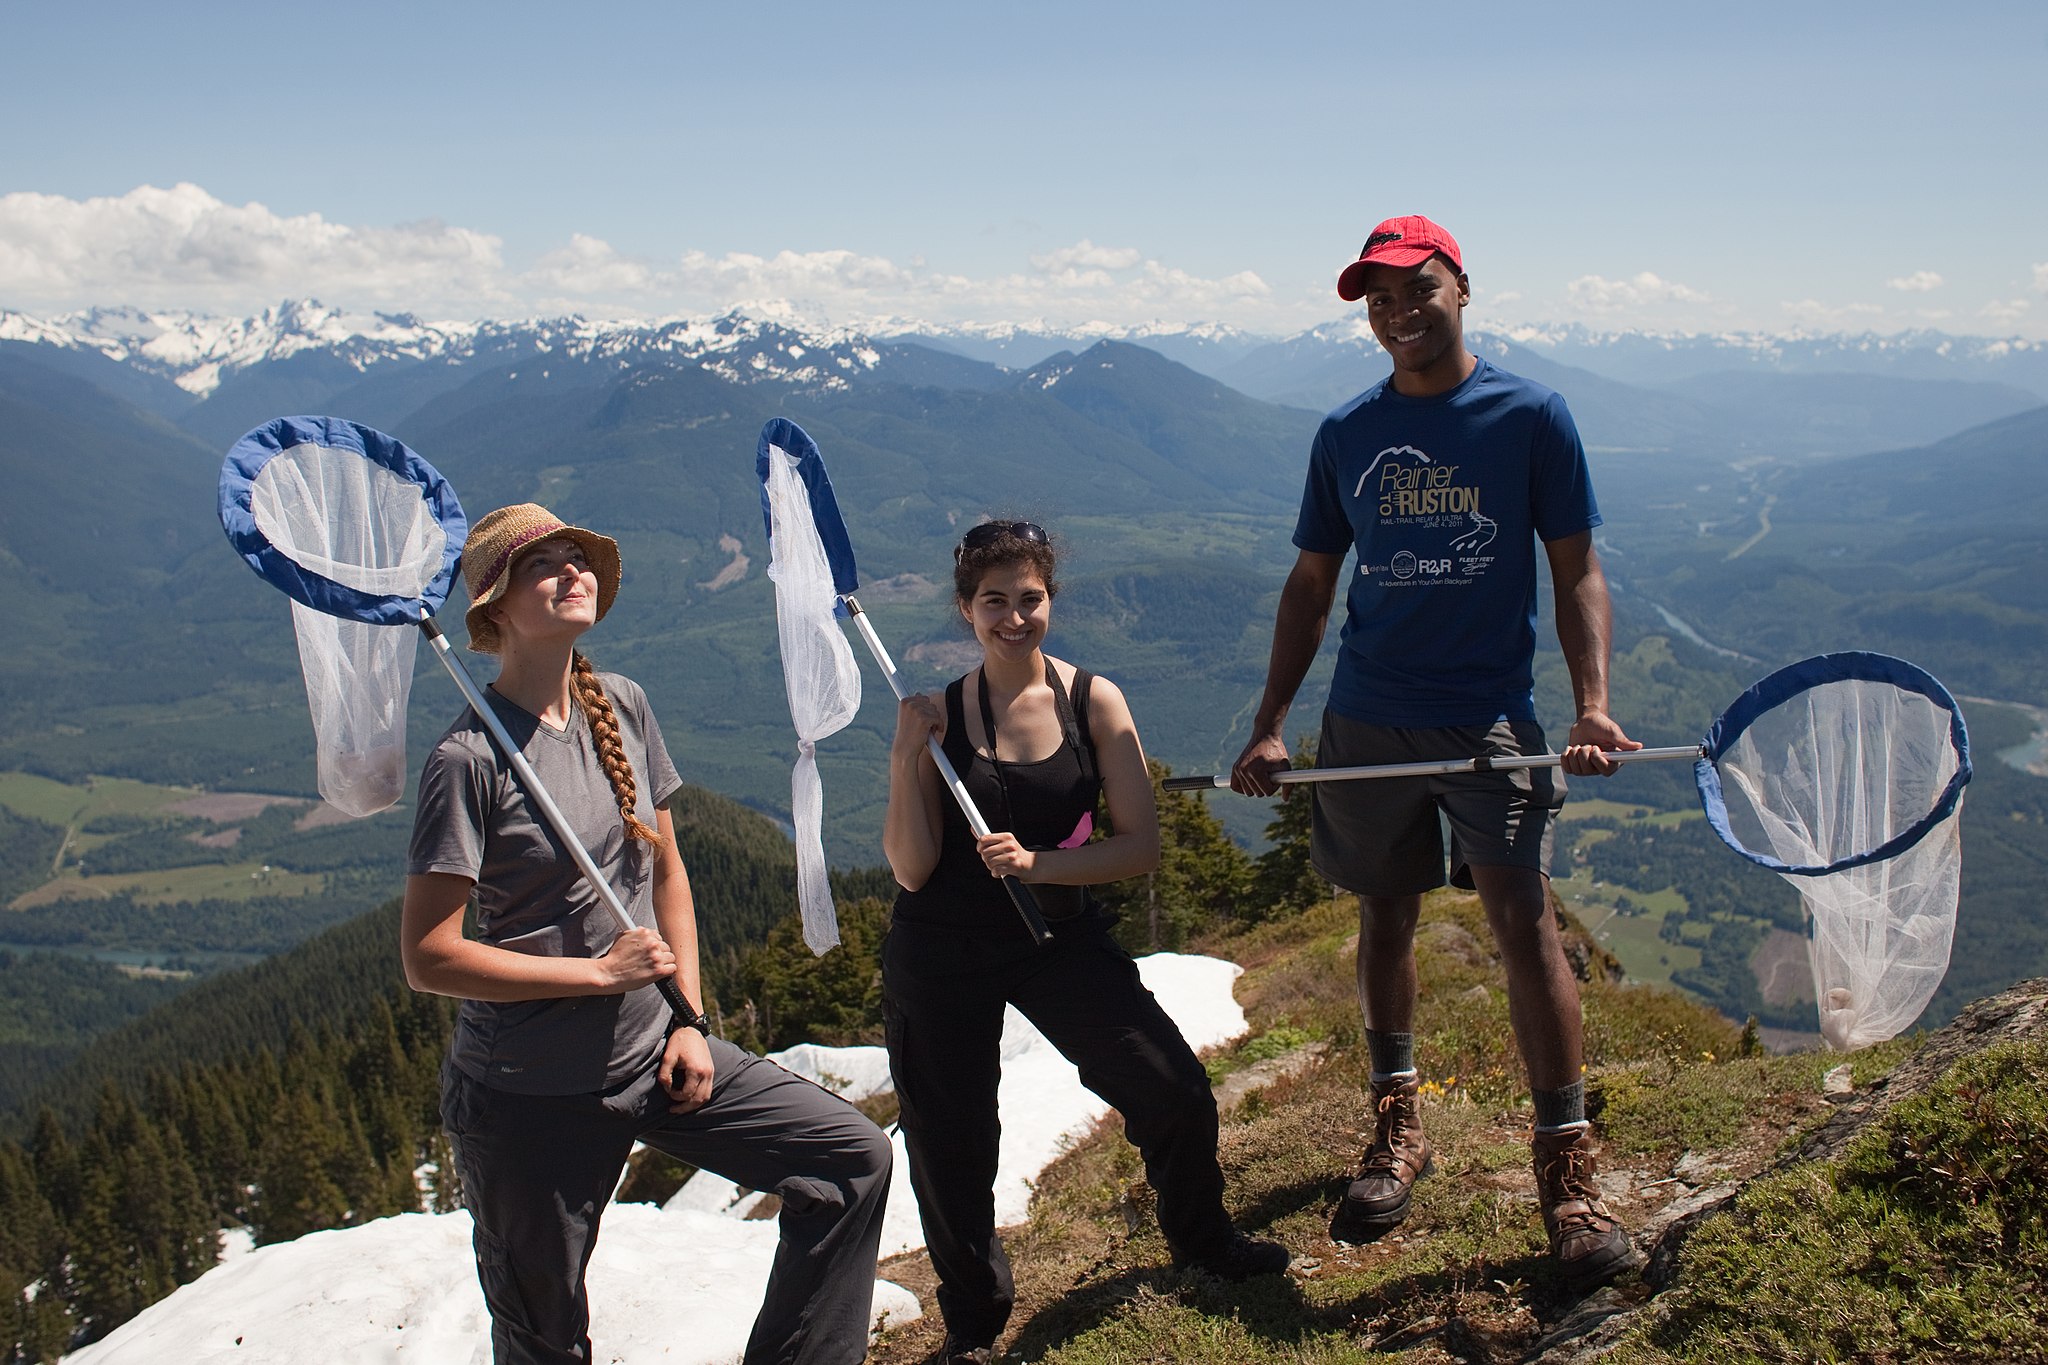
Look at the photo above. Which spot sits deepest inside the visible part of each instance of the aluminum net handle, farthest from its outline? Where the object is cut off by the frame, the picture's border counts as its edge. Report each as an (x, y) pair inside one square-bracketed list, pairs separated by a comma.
[(537, 792)]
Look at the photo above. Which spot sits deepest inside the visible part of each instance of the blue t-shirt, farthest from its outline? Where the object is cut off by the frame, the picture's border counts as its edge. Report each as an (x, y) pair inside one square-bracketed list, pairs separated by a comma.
[(1443, 499)]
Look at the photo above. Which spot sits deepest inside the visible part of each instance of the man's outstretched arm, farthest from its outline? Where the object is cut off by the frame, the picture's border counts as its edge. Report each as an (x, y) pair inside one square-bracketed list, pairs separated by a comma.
[(1585, 630), (1298, 627)]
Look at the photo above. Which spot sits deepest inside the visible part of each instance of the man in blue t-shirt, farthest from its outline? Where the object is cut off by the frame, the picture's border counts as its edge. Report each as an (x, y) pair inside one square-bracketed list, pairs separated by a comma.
[(1443, 477)]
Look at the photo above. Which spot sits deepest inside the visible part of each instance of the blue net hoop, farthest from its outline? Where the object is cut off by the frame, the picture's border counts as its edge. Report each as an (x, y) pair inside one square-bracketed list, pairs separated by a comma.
[(793, 440), (243, 471), (1786, 686)]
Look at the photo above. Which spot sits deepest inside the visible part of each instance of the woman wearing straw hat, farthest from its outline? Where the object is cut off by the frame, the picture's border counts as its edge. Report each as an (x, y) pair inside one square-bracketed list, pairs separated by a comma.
[(1035, 740), (564, 1054)]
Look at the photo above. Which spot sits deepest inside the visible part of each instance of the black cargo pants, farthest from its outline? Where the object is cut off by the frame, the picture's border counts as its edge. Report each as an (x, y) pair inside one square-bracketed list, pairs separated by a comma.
[(943, 996)]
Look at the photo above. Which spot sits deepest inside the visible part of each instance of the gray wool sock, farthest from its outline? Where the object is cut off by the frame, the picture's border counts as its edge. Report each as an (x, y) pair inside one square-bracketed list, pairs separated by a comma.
[(1565, 1108), (1393, 1054)]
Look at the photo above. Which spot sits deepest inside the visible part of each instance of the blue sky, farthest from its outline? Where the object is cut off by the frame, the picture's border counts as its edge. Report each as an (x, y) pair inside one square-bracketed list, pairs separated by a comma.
[(1834, 167)]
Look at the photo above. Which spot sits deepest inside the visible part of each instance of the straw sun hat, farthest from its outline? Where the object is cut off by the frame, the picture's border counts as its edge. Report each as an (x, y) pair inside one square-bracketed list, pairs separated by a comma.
[(496, 540)]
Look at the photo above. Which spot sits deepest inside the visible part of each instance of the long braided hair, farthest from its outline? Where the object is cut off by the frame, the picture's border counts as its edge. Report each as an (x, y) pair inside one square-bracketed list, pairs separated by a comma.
[(611, 753)]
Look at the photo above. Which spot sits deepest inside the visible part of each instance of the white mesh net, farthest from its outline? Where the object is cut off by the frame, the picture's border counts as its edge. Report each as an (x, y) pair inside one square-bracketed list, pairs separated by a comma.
[(822, 678), (358, 680), (1836, 771), (356, 523)]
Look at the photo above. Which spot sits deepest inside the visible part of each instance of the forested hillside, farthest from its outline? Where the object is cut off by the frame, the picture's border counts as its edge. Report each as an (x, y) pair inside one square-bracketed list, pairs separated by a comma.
[(291, 1096), (51, 1006), (56, 1053)]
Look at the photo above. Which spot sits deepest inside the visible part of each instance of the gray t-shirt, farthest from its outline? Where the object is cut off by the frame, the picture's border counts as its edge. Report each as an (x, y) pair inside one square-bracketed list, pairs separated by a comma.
[(474, 821)]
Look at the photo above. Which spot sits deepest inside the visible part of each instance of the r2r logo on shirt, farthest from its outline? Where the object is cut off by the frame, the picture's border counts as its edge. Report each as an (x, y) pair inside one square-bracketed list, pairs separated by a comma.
[(1407, 565)]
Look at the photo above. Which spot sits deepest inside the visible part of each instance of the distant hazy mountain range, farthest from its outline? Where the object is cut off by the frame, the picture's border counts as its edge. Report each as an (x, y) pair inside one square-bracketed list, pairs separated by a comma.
[(197, 352)]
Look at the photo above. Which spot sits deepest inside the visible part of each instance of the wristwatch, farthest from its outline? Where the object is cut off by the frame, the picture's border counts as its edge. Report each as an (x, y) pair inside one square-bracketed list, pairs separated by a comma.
[(698, 1020)]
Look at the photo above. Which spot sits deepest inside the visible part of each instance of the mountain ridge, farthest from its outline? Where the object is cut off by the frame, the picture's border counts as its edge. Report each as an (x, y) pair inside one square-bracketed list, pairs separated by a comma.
[(197, 351)]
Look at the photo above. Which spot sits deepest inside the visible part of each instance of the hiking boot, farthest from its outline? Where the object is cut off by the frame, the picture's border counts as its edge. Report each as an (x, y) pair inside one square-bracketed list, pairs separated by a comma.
[(1585, 1240), (958, 1352), (1242, 1258), (1377, 1200)]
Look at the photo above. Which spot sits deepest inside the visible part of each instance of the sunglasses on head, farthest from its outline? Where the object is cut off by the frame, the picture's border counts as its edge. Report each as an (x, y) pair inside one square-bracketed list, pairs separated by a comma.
[(990, 531)]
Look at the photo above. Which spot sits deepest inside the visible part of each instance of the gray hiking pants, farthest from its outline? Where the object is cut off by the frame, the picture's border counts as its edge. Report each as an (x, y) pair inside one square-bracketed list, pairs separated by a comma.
[(537, 1171)]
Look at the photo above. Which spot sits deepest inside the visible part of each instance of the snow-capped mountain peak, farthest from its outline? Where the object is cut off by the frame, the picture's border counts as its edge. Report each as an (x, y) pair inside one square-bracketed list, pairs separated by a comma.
[(198, 352), (773, 341)]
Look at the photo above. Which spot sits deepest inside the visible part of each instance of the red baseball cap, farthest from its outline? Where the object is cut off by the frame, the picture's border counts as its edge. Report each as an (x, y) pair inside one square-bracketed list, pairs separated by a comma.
[(1400, 242)]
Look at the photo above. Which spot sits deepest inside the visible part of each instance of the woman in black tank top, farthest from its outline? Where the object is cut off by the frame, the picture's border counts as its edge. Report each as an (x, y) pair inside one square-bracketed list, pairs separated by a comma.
[(1035, 740)]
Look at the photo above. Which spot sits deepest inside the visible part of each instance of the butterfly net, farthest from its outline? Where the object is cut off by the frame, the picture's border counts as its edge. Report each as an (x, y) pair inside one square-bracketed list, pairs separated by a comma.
[(342, 518), (819, 670), (1847, 779)]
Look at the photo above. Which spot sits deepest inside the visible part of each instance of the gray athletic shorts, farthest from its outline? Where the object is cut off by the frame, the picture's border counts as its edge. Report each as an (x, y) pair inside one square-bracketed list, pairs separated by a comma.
[(1380, 836)]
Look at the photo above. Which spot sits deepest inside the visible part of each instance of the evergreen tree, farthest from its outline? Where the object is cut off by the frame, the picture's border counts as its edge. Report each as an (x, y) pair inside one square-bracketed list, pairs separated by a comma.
[(798, 997), (207, 1104), (100, 1289), (296, 1193), (56, 1165), (1203, 879), (378, 1075), (260, 1089), (43, 1326), (37, 1324), (26, 1221), (52, 1320), (444, 1184), (144, 1228), (354, 1171), (1284, 880)]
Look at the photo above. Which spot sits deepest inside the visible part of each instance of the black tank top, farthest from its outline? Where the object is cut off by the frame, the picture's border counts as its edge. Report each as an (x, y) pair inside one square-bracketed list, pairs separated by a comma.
[(1043, 803)]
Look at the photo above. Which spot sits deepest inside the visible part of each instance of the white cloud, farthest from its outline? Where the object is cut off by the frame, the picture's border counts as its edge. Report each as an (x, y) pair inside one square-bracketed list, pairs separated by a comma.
[(1596, 294), (799, 274), (1832, 316), (183, 247), (586, 268), (1919, 282), (1071, 285), (2005, 310), (1086, 253), (2041, 277)]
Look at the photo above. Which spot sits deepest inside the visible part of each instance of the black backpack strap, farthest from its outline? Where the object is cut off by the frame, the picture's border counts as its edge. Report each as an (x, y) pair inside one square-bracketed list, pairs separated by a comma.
[(1073, 714), (1082, 677), (959, 749)]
